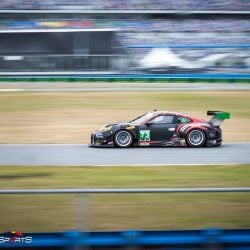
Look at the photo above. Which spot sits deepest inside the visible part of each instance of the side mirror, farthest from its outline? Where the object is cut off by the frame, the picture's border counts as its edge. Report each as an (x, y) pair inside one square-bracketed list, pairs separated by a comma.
[(150, 123)]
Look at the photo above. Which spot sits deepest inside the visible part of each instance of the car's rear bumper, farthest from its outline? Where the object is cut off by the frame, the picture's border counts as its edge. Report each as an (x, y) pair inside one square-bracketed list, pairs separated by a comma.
[(215, 142), (214, 137)]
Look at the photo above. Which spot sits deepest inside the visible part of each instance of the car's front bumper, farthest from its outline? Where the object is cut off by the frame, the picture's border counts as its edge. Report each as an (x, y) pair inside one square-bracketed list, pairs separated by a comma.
[(98, 140)]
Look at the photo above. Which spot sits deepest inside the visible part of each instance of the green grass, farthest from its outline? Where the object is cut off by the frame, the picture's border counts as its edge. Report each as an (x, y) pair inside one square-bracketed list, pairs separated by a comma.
[(112, 177), (124, 211)]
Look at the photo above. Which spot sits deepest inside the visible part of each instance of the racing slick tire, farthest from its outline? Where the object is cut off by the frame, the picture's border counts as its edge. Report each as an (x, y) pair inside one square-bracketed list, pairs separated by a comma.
[(196, 138), (123, 139)]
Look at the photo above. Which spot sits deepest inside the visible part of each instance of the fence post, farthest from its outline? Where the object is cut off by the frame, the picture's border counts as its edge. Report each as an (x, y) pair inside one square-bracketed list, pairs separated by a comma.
[(82, 212), (211, 238)]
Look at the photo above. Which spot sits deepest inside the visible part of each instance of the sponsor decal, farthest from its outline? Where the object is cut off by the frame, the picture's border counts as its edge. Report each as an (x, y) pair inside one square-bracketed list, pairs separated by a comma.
[(171, 129), (144, 143), (130, 127), (144, 135), (14, 237)]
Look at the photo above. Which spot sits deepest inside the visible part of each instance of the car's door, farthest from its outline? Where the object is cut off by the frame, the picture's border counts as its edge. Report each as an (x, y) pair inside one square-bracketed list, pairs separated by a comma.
[(162, 128)]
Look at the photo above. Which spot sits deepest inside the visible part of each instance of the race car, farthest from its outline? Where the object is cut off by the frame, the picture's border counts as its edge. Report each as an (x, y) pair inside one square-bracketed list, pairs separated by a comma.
[(162, 128)]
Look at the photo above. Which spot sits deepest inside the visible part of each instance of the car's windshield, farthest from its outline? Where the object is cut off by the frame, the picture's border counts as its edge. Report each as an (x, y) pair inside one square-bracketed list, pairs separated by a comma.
[(142, 118)]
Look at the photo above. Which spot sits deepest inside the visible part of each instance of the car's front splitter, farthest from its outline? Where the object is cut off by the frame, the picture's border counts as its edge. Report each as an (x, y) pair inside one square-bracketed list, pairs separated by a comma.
[(98, 145)]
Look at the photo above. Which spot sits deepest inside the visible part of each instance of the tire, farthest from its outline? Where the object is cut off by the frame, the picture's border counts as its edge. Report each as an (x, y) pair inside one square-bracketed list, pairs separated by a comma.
[(123, 139), (196, 138)]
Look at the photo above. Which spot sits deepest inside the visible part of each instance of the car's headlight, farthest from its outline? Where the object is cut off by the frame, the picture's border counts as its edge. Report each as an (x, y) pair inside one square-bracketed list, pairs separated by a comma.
[(106, 129)]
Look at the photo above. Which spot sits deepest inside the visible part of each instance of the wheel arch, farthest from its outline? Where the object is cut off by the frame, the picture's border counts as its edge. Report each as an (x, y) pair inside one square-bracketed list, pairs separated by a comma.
[(186, 128)]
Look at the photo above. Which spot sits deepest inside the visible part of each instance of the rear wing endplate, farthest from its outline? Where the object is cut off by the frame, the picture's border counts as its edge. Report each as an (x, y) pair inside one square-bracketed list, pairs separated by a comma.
[(218, 117)]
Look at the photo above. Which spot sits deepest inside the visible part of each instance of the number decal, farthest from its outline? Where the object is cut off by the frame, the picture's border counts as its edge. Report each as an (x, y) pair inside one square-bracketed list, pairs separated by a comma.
[(144, 135)]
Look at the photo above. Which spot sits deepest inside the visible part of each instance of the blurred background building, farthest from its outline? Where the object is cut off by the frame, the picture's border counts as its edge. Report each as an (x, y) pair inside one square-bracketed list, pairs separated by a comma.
[(114, 35)]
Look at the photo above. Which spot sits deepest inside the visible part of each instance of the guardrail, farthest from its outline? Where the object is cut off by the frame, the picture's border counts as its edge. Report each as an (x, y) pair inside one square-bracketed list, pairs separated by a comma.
[(183, 239), (106, 77), (124, 190), (235, 239)]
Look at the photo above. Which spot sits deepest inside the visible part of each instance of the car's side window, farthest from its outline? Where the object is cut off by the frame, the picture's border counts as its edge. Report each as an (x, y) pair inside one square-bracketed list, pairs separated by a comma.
[(182, 119), (163, 119)]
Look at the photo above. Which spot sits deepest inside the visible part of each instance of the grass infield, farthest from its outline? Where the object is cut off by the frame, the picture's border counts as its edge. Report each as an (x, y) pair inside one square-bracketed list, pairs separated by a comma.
[(124, 211), (71, 117)]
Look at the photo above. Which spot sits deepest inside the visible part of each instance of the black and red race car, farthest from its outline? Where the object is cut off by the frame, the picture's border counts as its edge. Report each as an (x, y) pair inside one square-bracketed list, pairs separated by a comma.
[(162, 128)]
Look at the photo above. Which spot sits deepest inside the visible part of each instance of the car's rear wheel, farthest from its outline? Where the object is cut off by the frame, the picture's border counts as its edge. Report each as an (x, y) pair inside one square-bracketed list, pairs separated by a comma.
[(123, 139), (196, 138)]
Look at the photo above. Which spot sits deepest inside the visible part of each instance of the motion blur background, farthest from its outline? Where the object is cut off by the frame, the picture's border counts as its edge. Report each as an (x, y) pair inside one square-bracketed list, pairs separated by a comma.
[(57, 37), (111, 35)]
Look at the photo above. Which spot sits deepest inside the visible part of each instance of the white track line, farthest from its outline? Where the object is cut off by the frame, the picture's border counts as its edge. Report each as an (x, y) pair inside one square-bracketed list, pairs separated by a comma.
[(12, 90)]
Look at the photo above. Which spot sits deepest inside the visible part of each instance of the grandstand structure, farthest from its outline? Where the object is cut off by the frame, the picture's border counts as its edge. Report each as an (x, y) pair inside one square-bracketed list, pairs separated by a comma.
[(191, 28), (210, 5)]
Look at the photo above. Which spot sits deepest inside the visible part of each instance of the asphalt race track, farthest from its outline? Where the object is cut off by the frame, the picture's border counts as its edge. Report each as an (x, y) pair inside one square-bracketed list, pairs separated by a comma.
[(82, 155), (117, 86)]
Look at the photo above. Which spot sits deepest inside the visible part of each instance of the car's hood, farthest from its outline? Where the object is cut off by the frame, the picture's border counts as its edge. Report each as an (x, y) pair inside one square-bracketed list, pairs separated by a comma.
[(123, 124)]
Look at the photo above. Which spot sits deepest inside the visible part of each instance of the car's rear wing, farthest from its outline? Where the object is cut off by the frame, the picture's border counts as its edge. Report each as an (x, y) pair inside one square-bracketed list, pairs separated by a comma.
[(218, 117)]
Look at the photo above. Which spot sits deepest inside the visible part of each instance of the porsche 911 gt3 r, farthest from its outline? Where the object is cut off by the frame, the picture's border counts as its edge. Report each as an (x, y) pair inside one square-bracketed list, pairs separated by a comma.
[(162, 128)]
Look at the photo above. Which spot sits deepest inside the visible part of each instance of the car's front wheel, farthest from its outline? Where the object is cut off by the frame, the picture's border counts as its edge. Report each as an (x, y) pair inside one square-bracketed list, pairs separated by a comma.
[(196, 138), (123, 139)]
